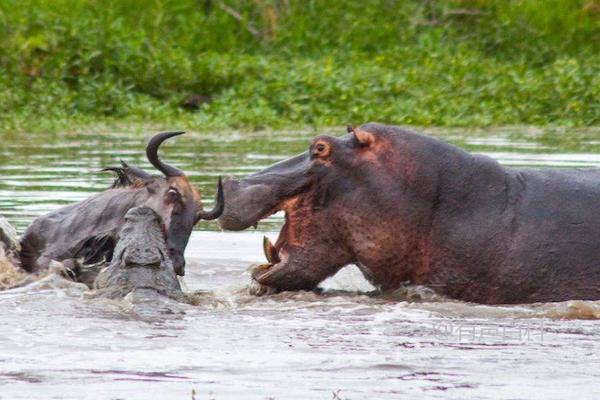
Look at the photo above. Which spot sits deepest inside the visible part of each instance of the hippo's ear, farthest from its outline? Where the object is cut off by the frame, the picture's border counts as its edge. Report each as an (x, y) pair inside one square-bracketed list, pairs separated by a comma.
[(363, 137)]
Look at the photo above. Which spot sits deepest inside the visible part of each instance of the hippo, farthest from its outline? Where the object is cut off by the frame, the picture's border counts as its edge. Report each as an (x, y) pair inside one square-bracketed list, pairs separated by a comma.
[(407, 208), (140, 261)]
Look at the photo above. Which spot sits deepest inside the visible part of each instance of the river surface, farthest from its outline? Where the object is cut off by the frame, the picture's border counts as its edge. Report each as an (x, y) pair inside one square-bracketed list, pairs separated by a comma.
[(344, 343)]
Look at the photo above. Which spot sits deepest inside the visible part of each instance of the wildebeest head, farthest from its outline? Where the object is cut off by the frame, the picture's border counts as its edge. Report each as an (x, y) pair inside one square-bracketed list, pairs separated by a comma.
[(88, 230), (171, 196)]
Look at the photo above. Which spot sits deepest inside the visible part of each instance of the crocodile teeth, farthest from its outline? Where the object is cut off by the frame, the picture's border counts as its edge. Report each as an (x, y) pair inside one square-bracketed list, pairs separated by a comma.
[(270, 251)]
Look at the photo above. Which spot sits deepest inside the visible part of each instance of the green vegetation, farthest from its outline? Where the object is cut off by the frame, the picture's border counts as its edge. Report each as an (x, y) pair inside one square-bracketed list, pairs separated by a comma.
[(275, 63)]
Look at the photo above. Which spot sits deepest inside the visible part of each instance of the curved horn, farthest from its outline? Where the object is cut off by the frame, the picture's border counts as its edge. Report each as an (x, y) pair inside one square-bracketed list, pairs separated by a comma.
[(152, 153), (218, 207)]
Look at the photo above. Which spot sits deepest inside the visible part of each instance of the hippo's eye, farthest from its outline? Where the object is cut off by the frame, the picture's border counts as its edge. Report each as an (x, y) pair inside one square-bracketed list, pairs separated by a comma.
[(320, 150)]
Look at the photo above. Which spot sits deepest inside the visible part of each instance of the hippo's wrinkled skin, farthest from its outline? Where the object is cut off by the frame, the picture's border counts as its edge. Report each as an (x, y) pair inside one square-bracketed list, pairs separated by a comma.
[(410, 208), (140, 260)]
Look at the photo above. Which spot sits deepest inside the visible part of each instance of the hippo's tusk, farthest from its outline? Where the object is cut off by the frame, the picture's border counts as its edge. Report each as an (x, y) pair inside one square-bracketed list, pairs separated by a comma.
[(218, 207), (152, 154), (270, 251)]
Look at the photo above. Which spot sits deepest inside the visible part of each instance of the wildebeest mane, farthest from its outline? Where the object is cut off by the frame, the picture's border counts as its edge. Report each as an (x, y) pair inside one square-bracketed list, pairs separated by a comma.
[(128, 176)]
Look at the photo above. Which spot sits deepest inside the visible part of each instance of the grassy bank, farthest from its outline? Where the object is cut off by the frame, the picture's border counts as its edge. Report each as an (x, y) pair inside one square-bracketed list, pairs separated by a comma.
[(261, 63)]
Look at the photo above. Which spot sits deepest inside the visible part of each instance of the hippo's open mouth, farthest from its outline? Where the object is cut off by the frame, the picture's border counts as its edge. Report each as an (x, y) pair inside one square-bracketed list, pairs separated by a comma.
[(307, 250), (277, 254)]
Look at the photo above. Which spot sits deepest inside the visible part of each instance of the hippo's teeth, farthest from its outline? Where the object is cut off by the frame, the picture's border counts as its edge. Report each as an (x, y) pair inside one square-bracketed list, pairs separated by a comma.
[(270, 251)]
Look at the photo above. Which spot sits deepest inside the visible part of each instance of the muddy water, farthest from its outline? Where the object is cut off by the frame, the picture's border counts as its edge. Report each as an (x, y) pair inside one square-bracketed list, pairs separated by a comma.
[(345, 343)]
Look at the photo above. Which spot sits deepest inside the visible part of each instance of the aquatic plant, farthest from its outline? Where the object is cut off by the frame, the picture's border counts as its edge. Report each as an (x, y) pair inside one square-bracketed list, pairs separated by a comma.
[(270, 63)]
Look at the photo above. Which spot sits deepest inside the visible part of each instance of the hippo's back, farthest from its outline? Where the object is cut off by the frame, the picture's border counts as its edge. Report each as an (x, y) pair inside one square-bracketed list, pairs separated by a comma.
[(519, 235), (553, 252)]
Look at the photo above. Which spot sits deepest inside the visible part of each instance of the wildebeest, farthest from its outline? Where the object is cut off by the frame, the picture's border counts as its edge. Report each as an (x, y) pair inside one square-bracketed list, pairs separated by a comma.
[(86, 232), (410, 208)]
